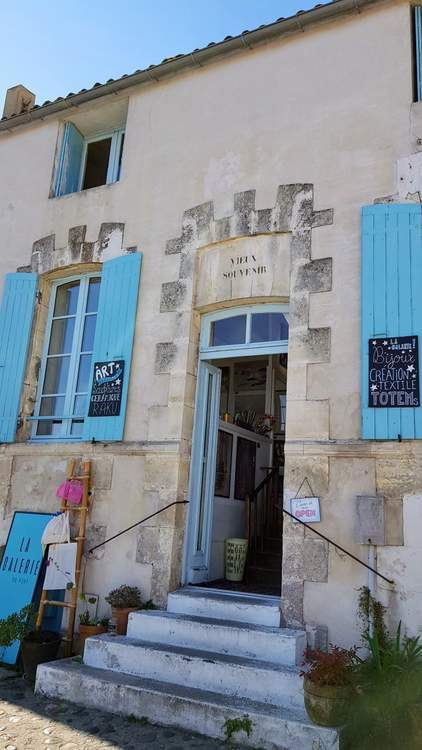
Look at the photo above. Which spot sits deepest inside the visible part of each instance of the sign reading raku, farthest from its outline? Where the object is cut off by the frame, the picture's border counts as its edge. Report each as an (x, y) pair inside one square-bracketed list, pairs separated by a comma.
[(107, 386), (394, 372)]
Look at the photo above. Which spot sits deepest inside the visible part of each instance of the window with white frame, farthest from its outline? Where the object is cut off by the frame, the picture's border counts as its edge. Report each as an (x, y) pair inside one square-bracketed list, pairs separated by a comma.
[(239, 330), (62, 399), (88, 161)]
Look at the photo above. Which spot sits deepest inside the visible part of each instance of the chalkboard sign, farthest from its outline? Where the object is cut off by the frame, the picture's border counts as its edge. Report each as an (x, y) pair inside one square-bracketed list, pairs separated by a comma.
[(394, 372), (107, 386)]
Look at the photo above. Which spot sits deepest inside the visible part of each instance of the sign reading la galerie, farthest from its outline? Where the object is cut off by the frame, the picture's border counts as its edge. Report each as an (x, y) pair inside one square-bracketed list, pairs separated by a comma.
[(107, 388), (394, 372)]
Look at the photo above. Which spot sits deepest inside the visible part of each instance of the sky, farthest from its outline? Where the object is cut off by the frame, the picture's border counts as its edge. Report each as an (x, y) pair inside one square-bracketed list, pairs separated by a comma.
[(54, 48)]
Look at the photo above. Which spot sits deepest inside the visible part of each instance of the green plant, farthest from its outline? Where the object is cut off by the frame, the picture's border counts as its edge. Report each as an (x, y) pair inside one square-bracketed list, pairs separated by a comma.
[(370, 610), (233, 726), (149, 605), (16, 626), (334, 668), (389, 686), (125, 597)]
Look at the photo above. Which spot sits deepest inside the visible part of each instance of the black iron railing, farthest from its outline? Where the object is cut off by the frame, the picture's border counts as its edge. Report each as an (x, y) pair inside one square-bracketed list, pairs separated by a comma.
[(138, 523), (260, 506)]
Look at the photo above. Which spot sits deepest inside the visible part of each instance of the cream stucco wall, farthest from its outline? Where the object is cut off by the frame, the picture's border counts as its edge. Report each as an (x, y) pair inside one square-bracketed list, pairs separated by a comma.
[(328, 107)]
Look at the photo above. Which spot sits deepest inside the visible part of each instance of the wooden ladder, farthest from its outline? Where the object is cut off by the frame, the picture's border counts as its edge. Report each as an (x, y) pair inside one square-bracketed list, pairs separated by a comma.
[(82, 509)]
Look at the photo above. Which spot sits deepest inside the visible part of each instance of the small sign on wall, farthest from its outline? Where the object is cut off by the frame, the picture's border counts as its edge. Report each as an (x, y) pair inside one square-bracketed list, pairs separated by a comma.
[(107, 387), (393, 372), (306, 509)]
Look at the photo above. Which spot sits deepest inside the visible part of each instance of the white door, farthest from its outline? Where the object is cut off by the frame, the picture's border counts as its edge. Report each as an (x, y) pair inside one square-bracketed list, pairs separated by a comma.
[(202, 474)]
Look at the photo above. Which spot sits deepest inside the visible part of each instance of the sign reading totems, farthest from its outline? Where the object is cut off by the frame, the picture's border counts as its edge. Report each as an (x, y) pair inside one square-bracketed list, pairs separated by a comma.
[(394, 372), (107, 387)]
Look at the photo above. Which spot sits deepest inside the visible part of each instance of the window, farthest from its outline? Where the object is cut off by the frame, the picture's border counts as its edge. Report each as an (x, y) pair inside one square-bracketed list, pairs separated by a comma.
[(417, 53), (262, 328), (62, 400), (87, 162)]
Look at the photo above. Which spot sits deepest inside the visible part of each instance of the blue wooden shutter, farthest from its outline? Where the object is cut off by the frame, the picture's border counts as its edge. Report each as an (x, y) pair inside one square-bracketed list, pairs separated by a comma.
[(391, 302), (69, 168), (114, 334), (16, 314)]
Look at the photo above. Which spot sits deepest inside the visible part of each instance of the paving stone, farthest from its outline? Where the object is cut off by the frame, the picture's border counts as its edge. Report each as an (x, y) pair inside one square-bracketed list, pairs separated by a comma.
[(30, 722)]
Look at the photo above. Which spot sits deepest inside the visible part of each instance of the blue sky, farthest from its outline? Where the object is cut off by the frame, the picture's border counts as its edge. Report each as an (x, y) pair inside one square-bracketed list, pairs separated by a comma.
[(57, 47)]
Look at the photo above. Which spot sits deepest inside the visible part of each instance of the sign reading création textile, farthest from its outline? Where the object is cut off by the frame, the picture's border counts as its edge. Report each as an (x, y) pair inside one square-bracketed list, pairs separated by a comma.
[(394, 372), (20, 568), (107, 388)]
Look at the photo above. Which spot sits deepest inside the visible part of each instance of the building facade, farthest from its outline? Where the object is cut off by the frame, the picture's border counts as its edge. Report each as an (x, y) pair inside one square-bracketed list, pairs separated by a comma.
[(227, 231)]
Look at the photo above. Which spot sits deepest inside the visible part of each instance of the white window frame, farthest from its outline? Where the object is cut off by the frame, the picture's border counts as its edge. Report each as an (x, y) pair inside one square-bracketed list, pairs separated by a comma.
[(208, 352), (113, 174), (67, 417)]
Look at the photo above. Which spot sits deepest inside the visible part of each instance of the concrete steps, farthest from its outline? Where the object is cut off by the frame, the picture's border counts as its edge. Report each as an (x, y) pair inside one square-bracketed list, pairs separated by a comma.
[(255, 610), (271, 727), (205, 670), (211, 658), (281, 646)]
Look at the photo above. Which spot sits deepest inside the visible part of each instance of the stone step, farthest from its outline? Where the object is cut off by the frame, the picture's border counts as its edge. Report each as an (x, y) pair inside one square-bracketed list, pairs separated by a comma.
[(231, 675), (278, 645), (210, 714), (255, 610)]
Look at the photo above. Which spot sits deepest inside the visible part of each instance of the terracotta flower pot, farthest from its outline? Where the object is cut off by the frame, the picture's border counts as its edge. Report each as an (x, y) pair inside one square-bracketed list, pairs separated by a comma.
[(326, 705), (121, 616), (87, 631)]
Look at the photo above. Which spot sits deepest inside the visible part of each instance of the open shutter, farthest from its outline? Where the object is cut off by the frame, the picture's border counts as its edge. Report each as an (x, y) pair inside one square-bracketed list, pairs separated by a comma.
[(16, 314), (69, 168), (391, 303), (114, 332)]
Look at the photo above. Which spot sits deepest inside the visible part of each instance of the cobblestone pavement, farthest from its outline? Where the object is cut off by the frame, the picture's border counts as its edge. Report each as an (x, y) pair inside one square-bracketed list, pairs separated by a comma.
[(30, 722)]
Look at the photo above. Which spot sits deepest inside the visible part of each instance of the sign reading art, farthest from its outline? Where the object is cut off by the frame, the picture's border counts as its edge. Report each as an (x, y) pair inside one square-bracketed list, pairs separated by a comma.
[(20, 569), (394, 372), (306, 509), (107, 387)]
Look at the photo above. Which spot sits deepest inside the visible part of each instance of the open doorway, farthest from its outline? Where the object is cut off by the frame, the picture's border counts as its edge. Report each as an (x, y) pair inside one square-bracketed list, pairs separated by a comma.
[(237, 465)]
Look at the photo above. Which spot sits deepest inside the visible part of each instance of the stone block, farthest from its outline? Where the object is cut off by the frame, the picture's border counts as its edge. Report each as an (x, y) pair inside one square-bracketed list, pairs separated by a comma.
[(315, 560), (102, 473), (412, 521), (311, 345), (394, 522), (146, 544), (165, 422), (6, 465), (370, 519), (95, 534), (315, 276), (307, 420), (292, 603), (172, 295), (317, 637), (164, 357), (34, 482)]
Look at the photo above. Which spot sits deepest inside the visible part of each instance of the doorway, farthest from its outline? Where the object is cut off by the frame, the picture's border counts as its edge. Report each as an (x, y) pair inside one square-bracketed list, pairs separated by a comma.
[(237, 464)]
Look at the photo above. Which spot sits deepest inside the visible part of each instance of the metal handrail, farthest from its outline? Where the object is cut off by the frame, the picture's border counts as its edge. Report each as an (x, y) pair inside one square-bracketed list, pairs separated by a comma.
[(138, 523), (337, 546)]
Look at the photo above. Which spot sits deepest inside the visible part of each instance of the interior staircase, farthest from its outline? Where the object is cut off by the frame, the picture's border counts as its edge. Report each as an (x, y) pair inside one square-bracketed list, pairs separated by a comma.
[(210, 659)]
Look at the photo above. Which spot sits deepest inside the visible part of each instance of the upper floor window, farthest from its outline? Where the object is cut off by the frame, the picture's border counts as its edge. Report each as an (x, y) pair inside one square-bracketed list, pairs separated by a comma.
[(87, 162), (62, 398), (259, 327), (417, 53)]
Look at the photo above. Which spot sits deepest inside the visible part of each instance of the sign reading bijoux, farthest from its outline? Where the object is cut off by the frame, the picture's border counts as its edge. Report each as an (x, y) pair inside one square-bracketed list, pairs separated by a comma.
[(394, 372), (107, 387), (244, 265)]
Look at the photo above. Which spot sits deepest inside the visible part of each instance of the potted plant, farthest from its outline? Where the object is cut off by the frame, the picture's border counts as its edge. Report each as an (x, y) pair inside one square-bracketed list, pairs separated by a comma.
[(37, 646), (328, 684), (123, 600), (89, 626)]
